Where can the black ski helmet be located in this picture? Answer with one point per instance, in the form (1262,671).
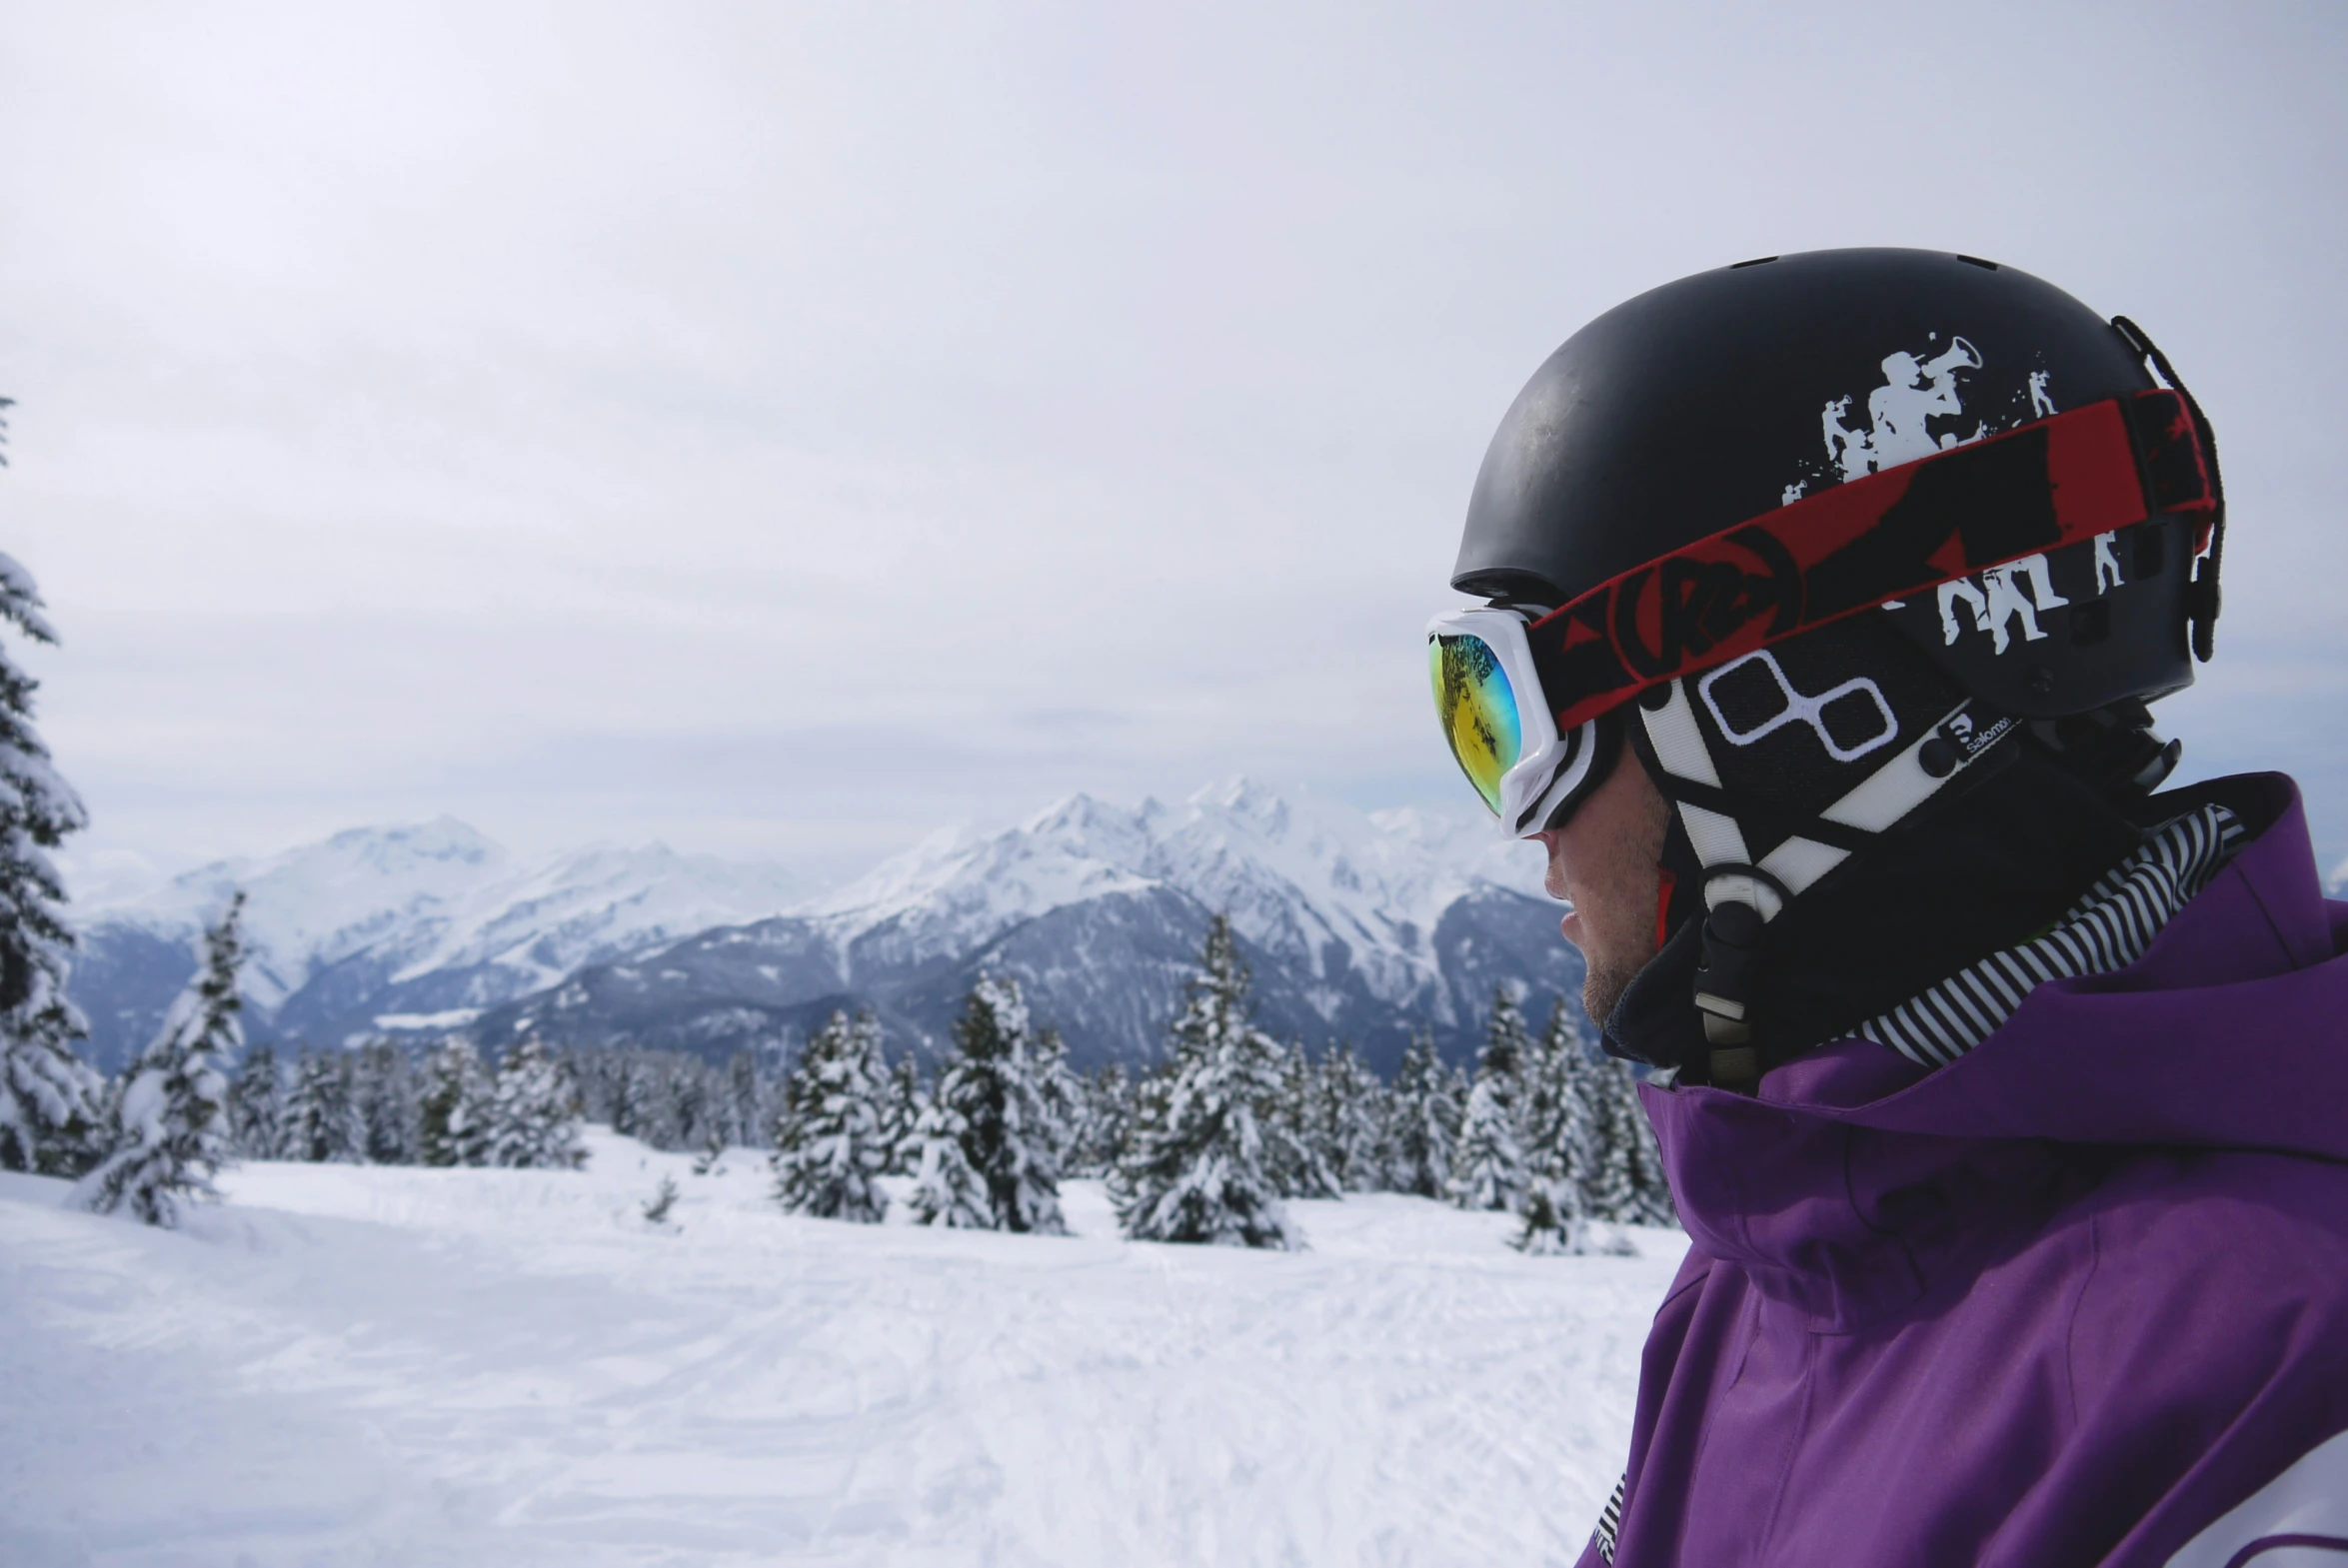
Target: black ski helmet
(1712,475)
(1703,403)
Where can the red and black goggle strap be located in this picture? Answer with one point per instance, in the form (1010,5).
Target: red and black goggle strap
(2055,482)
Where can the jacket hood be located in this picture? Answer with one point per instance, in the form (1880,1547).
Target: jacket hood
(1855,1174)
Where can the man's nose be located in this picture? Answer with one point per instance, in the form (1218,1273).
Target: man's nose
(1553,876)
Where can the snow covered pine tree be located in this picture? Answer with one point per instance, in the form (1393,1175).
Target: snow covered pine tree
(828,1155)
(171,1123)
(1194,1168)
(1010,1134)
(901,1116)
(383,1102)
(1423,1121)
(454,1118)
(631,1097)
(1064,1096)
(1487,1166)
(1349,1120)
(1299,1163)
(1559,1131)
(49,1108)
(1613,1192)
(1106,1101)
(256,1106)
(946,1191)
(745,1100)
(321,1122)
(1628,1185)
(534,1111)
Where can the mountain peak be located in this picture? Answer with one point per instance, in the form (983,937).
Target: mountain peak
(442,839)
(1354,918)
(1248,800)
(404,902)
(1075,811)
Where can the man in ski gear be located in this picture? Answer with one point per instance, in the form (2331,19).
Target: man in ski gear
(2000,1095)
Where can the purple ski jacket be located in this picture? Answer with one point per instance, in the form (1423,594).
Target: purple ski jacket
(2080,1297)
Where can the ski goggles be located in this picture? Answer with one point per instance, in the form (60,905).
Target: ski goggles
(1498,725)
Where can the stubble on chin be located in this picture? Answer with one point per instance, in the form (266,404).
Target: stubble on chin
(1614,849)
(1603,985)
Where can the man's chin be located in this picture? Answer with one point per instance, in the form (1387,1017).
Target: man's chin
(1602,987)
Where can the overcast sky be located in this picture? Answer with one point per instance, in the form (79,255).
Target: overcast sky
(780,429)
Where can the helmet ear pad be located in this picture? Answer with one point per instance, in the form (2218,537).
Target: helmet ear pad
(1796,726)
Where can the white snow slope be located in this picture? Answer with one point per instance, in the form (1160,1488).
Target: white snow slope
(389,1366)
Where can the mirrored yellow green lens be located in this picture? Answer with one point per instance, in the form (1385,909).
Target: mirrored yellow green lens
(1478,707)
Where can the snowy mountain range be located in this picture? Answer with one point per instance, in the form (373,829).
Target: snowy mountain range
(1357,925)
(391,930)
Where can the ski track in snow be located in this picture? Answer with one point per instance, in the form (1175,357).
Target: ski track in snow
(393,1367)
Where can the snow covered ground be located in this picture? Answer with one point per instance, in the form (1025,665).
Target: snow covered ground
(391,1366)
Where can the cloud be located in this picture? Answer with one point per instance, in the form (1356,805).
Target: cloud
(795,426)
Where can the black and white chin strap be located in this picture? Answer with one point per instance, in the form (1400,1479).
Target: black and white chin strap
(1742,896)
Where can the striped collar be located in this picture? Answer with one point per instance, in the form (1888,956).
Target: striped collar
(2108,929)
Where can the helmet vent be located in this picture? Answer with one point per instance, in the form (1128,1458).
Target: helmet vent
(1975,261)
(1759,260)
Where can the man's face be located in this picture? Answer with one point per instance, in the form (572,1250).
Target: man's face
(1607,860)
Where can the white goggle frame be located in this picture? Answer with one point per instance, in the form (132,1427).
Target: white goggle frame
(1550,766)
